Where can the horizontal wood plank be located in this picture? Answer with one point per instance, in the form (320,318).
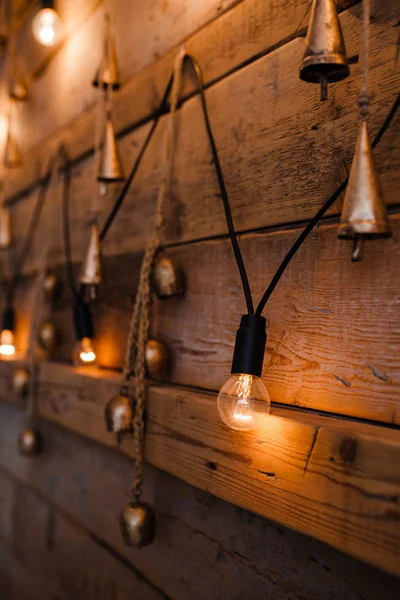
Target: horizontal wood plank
(249,556)
(296,466)
(333,335)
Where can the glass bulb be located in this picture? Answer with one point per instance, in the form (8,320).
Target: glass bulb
(84,353)
(243,401)
(47,27)
(7,343)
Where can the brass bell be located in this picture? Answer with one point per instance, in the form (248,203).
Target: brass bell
(18,88)
(91,272)
(30,442)
(325,59)
(107,75)
(20,381)
(167,278)
(5,227)
(119,414)
(50,285)
(138,525)
(157,359)
(364,213)
(47,336)
(12,155)
(110,166)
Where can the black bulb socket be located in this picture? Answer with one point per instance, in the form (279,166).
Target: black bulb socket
(83,321)
(251,338)
(47,4)
(8,318)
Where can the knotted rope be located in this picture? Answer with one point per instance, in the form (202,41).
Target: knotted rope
(133,379)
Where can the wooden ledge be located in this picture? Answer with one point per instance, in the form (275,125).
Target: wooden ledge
(333,479)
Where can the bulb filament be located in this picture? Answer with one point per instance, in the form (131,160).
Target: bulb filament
(7,343)
(243,389)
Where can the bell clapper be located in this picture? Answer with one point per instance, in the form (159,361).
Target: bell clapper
(358,248)
(324,88)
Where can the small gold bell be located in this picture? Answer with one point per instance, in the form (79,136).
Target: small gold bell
(167,278)
(119,414)
(20,381)
(47,337)
(325,59)
(12,155)
(110,166)
(5,227)
(157,359)
(50,285)
(138,525)
(91,272)
(364,213)
(18,89)
(108,72)
(30,442)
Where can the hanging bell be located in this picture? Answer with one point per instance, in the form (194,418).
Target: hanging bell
(50,285)
(30,442)
(18,88)
(119,415)
(107,76)
(110,166)
(364,213)
(20,381)
(138,525)
(5,227)
(12,155)
(91,272)
(325,59)
(167,278)
(47,337)
(157,359)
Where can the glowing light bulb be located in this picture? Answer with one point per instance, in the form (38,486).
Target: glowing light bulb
(7,343)
(47,27)
(243,402)
(84,353)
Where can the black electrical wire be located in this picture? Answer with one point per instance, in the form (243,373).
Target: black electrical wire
(310,226)
(224,194)
(66,231)
(127,184)
(30,235)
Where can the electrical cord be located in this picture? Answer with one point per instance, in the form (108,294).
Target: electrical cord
(310,226)
(224,194)
(127,184)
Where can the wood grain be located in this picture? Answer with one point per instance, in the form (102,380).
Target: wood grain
(205,548)
(333,335)
(281,160)
(296,466)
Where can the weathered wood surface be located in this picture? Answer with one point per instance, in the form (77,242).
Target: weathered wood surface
(63,559)
(298,465)
(276,172)
(219,551)
(333,335)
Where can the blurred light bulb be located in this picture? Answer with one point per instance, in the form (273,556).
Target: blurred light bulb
(243,401)
(85,354)
(7,343)
(47,27)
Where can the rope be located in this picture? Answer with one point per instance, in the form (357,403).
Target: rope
(135,367)
(363,99)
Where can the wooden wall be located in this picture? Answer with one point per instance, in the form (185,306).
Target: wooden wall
(326,462)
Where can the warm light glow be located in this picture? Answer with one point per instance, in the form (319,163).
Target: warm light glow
(242,401)
(86,353)
(47,27)
(7,343)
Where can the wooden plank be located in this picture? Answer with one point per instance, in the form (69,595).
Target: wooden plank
(64,560)
(219,551)
(333,334)
(296,466)
(276,172)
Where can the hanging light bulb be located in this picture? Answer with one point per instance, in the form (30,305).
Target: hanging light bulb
(7,348)
(84,353)
(47,26)
(244,401)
